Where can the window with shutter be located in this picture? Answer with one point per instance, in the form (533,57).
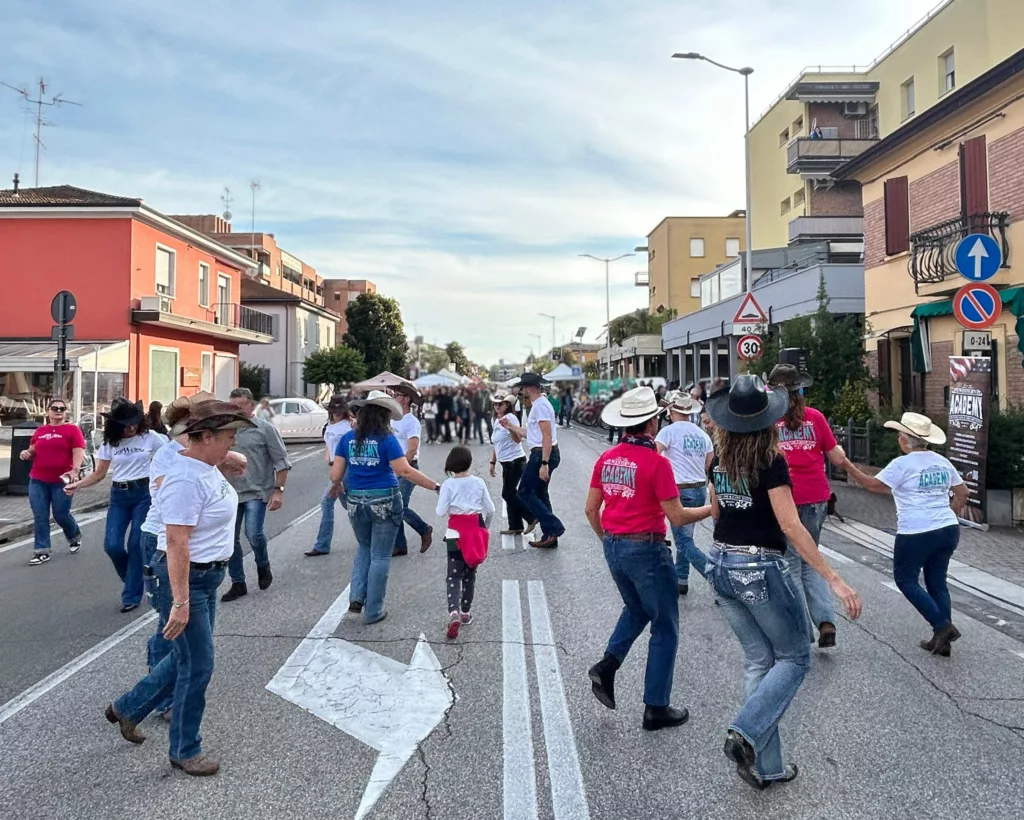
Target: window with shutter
(897,216)
(974,179)
(165,271)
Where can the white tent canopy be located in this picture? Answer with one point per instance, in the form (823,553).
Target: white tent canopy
(563,373)
(436,380)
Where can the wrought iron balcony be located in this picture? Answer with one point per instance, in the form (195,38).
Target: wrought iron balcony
(933,250)
(241,317)
(807,155)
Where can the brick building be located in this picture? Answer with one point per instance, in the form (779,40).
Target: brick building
(339,292)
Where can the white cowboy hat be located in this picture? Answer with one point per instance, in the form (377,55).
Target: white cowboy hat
(380,399)
(914,424)
(682,402)
(501,397)
(634,407)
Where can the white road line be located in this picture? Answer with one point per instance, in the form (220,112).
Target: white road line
(891,585)
(838,557)
(1018,653)
(568,796)
(33,693)
(520,784)
(54,531)
(304,456)
(302,518)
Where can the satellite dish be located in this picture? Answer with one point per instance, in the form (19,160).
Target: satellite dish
(227,215)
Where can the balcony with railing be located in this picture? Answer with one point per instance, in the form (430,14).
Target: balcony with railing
(932,263)
(814,228)
(642,279)
(224,320)
(809,155)
(240,317)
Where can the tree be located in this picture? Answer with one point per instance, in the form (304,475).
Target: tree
(592,369)
(375,329)
(457,356)
(568,357)
(335,366)
(637,322)
(835,354)
(434,359)
(255,377)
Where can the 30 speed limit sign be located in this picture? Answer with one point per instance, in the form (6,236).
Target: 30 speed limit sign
(749,347)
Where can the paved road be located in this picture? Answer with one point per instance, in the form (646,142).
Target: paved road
(880,729)
(51,614)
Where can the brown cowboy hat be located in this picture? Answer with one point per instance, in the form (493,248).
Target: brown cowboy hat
(216,415)
(787,376)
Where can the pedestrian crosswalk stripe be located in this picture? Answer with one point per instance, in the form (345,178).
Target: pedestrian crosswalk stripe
(520,783)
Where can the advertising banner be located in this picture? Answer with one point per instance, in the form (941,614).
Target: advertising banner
(970,392)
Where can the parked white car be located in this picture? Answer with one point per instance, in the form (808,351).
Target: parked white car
(298,419)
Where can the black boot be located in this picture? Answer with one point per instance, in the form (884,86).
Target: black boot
(943,638)
(739,750)
(264,576)
(664,717)
(602,676)
(236,591)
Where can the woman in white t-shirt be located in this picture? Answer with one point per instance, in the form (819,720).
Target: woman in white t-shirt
(197,509)
(339,422)
(928,529)
(509,452)
(128,447)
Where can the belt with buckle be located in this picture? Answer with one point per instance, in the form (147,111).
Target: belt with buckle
(693,485)
(207,565)
(126,485)
(653,537)
(751,550)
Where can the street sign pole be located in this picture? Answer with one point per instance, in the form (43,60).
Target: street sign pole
(63,309)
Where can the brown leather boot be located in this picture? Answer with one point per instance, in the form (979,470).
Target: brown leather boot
(129,731)
(198,766)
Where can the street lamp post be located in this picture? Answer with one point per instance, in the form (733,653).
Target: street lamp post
(607,302)
(537,337)
(552,318)
(744,72)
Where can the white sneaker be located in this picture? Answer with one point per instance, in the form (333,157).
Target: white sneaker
(38,558)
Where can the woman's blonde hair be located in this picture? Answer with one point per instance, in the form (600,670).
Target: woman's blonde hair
(744,455)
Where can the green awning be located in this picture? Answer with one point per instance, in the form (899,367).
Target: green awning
(1013,301)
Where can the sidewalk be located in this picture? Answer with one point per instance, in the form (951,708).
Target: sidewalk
(999,552)
(16,516)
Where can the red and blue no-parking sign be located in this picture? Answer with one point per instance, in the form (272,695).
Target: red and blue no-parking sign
(977,306)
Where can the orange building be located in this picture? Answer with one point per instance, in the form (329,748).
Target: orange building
(172,293)
(338,293)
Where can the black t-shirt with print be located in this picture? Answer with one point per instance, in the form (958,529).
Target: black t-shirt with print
(746,518)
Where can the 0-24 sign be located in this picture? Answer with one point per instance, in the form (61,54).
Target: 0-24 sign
(749,347)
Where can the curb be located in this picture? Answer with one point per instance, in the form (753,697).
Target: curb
(11,532)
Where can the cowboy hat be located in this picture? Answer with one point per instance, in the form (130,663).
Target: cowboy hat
(682,402)
(125,412)
(634,407)
(501,397)
(787,376)
(380,399)
(533,380)
(748,406)
(214,416)
(914,424)
(185,403)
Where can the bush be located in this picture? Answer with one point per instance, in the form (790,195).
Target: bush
(852,403)
(1005,467)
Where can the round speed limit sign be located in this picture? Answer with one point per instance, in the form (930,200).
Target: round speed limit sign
(749,347)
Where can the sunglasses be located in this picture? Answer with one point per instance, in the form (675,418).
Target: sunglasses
(58,409)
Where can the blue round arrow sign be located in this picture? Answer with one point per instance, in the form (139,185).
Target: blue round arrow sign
(978,257)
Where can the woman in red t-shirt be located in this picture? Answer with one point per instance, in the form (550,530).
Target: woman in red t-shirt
(806,440)
(56,452)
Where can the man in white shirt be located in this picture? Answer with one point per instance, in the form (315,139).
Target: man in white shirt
(541,436)
(408,432)
(690,451)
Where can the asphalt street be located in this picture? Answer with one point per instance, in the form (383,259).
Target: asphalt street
(879,729)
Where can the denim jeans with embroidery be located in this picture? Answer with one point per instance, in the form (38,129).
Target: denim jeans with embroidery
(375,516)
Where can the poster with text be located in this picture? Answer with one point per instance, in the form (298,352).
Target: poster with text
(970,391)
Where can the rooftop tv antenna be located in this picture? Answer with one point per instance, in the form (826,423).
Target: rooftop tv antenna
(255,186)
(55,101)
(227,199)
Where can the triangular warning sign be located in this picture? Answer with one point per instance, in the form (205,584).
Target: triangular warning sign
(750,311)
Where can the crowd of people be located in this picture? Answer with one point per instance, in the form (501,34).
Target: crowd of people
(750,456)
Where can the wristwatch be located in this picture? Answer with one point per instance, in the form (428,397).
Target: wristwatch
(544,464)
(279,489)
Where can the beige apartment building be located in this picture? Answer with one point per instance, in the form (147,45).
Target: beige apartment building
(794,196)
(679,250)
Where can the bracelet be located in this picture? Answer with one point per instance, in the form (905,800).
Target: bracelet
(176,605)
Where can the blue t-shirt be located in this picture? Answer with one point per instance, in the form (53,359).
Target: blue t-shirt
(369,466)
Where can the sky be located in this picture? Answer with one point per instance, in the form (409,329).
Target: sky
(459,154)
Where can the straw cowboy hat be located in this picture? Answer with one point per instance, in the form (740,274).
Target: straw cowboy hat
(748,406)
(634,407)
(186,402)
(914,424)
(380,399)
(679,401)
(216,415)
(501,397)
(787,376)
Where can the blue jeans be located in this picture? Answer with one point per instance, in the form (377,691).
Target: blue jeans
(813,589)
(376,516)
(325,534)
(759,598)
(409,516)
(158,647)
(42,496)
(931,552)
(686,547)
(643,572)
(533,493)
(125,516)
(251,514)
(186,671)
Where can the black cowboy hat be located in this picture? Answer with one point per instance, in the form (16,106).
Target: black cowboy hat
(787,376)
(125,412)
(532,380)
(748,406)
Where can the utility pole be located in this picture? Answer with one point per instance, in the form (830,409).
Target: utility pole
(56,101)
(255,186)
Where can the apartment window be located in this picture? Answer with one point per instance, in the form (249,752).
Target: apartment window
(784,137)
(732,248)
(909,102)
(204,286)
(785,206)
(798,198)
(695,288)
(337,296)
(224,307)
(798,125)
(947,72)
(206,362)
(897,216)
(696,247)
(650,254)
(164,271)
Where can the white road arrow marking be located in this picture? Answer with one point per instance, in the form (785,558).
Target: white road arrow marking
(384,703)
(978,254)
